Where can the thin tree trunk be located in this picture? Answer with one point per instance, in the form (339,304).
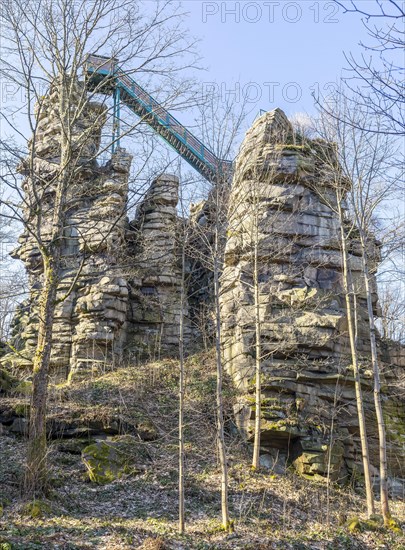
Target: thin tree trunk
(377,390)
(331,440)
(347,284)
(220,406)
(36,469)
(258,390)
(181,403)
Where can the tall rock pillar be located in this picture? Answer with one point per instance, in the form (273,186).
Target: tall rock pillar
(155,300)
(283,198)
(90,311)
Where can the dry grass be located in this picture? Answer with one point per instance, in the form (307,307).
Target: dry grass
(270,511)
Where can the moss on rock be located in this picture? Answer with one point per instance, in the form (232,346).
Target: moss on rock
(7,381)
(374,523)
(22,409)
(394,525)
(354,524)
(109,460)
(147,431)
(23,388)
(11,384)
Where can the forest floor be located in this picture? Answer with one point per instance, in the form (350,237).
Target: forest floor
(140,511)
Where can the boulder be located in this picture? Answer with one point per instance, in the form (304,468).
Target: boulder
(110,459)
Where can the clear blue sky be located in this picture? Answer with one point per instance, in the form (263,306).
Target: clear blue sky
(277,51)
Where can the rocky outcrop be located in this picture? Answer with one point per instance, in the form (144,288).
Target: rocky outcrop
(108,460)
(120,284)
(104,259)
(156,282)
(93,234)
(283,232)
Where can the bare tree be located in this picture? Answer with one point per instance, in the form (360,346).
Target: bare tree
(391,9)
(46,47)
(181,393)
(368,162)
(221,122)
(207,250)
(13,282)
(336,200)
(392,303)
(350,300)
(376,77)
(217,256)
(258,347)
(184,236)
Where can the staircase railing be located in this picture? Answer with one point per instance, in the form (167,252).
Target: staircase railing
(185,143)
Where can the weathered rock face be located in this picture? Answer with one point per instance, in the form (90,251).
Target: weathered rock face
(155,299)
(91,311)
(120,286)
(283,230)
(95,322)
(298,258)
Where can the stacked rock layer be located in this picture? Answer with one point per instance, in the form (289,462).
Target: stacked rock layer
(104,305)
(156,285)
(283,238)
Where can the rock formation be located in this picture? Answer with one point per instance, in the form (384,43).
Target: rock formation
(90,315)
(95,322)
(120,286)
(155,299)
(283,201)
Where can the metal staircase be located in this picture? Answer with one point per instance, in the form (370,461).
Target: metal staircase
(103,75)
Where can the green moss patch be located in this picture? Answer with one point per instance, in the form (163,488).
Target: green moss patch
(37,509)
(108,460)
(23,388)
(7,381)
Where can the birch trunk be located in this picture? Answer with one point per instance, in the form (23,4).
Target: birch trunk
(258,389)
(347,285)
(219,398)
(36,468)
(382,441)
(181,403)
